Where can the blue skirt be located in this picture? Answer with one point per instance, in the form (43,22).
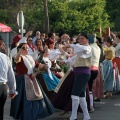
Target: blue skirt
(51,83)
(24,109)
(47,83)
(108,75)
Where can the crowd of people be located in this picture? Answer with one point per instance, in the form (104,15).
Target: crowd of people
(49,72)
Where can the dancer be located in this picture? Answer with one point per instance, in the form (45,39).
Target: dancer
(46,78)
(31,103)
(82,75)
(108,70)
(94,66)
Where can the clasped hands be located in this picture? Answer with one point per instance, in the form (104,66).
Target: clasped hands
(43,66)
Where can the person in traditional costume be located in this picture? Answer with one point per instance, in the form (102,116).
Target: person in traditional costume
(116,61)
(64,39)
(16,39)
(64,88)
(97,88)
(46,78)
(117,53)
(31,103)
(108,71)
(53,55)
(94,66)
(32,48)
(82,75)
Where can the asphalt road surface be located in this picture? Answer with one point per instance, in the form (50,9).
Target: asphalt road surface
(106,109)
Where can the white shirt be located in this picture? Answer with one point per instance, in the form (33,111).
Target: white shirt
(95,54)
(6,73)
(82,50)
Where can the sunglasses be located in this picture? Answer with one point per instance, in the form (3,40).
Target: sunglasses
(24,48)
(29,40)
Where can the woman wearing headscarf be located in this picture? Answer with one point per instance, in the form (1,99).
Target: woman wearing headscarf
(46,78)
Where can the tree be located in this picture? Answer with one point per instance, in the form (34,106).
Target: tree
(32,9)
(64,15)
(113,8)
(77,15)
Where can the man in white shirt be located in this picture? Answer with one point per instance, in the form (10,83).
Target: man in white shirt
(82,75)
(6,78)
(38,34)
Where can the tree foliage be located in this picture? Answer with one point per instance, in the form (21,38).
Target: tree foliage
(113,9)
(75,16)
(70,16)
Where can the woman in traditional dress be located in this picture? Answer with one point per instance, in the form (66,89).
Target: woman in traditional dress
(108,71)
(53,55)
(116,62)
(117,52)
(32,48)
(46,78)
(31,103)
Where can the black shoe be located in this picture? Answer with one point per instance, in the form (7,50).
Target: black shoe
(118,92)
(63,113)
(69,119)
(97,100)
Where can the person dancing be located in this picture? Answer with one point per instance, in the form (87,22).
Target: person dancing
(82,75)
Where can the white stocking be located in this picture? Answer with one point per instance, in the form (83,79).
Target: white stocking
(83,105)
(75,104)
(91,99)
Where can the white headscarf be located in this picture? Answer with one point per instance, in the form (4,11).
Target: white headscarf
(29,63)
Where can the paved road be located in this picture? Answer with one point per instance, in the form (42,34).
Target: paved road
(106,109)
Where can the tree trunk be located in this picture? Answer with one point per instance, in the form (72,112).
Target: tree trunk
(46,17)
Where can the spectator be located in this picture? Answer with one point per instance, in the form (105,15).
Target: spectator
(36,37)
(6,77)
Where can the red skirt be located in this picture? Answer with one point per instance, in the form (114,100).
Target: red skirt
(117,61)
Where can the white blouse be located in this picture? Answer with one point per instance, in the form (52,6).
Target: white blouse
(54,54)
